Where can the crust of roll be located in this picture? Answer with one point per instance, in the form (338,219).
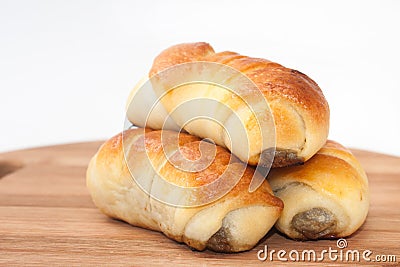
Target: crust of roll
(232,223)
(298,106)
(327,197)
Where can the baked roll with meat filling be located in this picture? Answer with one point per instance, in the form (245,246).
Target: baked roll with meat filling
(233,221)
(298,107)
(327,197)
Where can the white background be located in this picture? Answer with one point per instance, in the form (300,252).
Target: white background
(66,67)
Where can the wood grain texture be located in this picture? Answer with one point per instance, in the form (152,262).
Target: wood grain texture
(47,218)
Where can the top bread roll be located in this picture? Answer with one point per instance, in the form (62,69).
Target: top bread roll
(290,100)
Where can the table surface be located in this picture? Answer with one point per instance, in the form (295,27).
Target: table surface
(48,218)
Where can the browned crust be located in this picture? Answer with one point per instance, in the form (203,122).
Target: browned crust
(271,78)
(189,144)
(179,54)
(310,173)
(113,148)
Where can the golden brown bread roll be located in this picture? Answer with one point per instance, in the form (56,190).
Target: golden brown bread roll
(299,109)
(229,222)
(327,197)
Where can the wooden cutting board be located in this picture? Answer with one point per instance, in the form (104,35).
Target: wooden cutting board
(48,218)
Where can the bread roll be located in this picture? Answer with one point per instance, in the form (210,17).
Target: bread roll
(224,221)
(274,95)
(327,197)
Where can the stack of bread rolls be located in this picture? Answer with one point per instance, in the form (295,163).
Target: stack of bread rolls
(193,179)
